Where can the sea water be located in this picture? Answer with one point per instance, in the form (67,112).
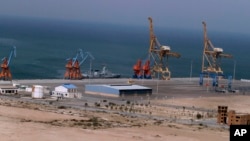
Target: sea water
(42,47)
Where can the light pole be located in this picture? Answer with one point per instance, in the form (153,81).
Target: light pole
(157,83)
(90,70)
(234,70)
(191,69)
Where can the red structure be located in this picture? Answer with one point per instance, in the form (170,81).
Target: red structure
(146,70)
(142,71)
(76,72)
(5,73)
(73,70)
(137,69)
(68,74)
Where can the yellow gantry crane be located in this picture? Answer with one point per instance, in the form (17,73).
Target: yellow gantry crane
(159,54)
(211,60)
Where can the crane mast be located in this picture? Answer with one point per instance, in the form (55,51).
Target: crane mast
(159,55)
(5,73)
(211,58)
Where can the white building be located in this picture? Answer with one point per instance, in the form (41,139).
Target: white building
(8,89)
(66,90)
(37,91)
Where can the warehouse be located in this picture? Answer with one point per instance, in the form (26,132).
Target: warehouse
(117,90)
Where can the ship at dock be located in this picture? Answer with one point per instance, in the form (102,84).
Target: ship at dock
(104,73)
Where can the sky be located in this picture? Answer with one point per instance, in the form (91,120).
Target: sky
(220,15)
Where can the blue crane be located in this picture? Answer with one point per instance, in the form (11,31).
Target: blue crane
(83,55)
(12,52)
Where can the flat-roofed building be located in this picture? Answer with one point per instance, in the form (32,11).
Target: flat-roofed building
(8,89)
(238,118)
(231,117)
(117,90)
(222,114)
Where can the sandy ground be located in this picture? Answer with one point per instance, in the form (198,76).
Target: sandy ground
(19,123)
(12,128)
(24,120)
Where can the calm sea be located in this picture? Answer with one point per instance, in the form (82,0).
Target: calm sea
(42,47)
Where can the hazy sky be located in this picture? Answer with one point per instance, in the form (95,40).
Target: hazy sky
(222,15)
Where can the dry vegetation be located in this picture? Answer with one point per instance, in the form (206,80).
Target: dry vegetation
(176,120)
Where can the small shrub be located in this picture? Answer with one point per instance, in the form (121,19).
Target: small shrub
(111,104)
(97,104)
(126,109)
(94,121)
(128,102)
(198,116)
(86,104)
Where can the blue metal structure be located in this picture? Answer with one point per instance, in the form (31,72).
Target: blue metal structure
(83,55)
(12,52)
(214,76)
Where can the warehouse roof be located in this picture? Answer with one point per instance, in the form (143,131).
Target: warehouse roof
(126,87)
(69,86)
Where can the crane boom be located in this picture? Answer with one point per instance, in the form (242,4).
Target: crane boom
(13,52)
(75,58)
(153,40)
(85,56)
